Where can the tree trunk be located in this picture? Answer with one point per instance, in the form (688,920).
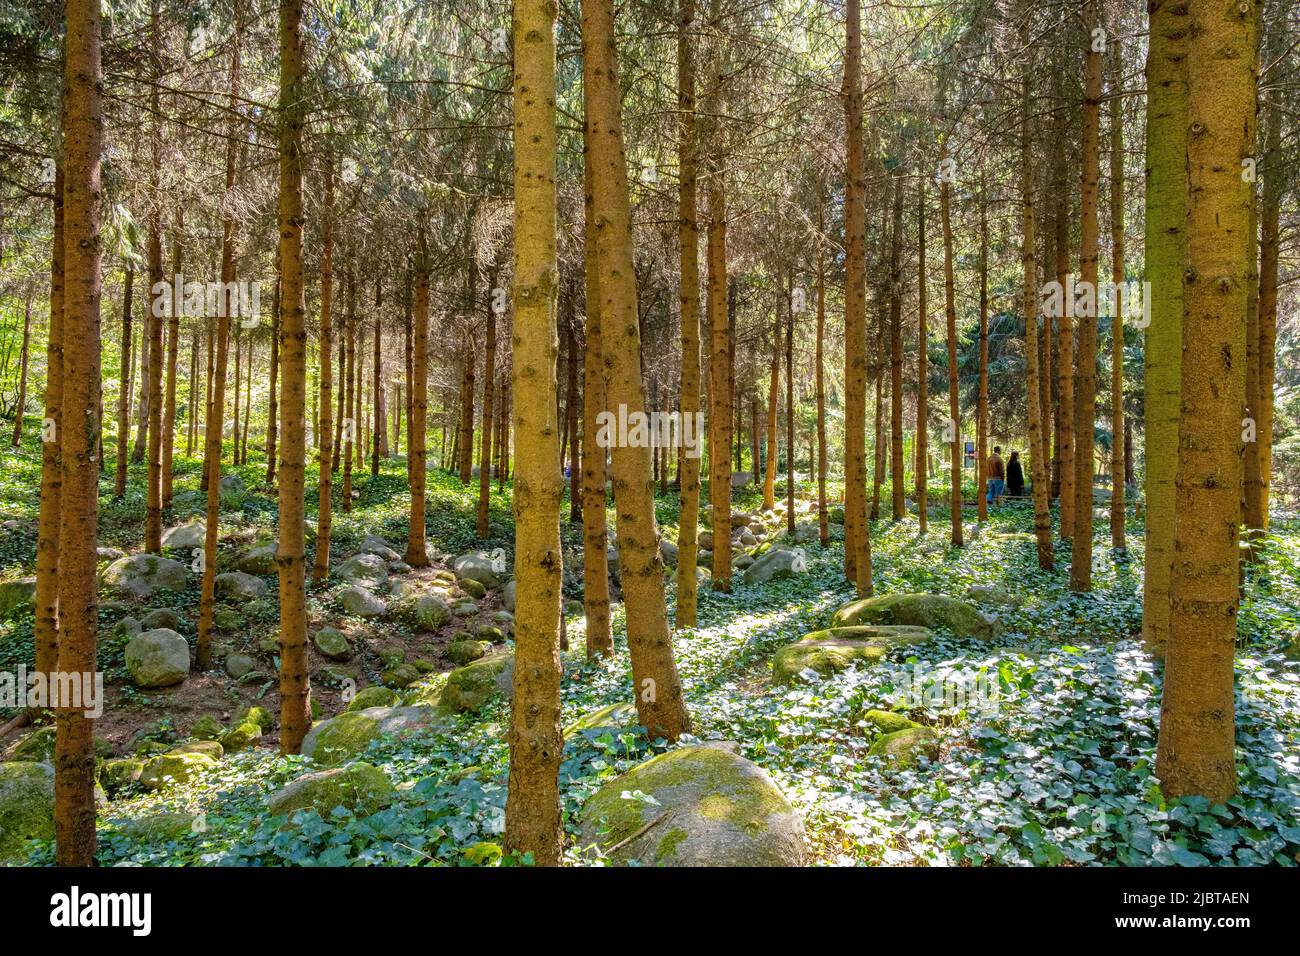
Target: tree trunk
(954,411)
(272,406)
(720,367)
(124,395)
(173,354)
(325,430)
(533,824)
(1195,755)
(416,453)
(1117,318)
(570,416)
(295,685)
(1085,399)
(982,402)
(898,509)
(688,242)
(217,405)
(21,409)
(922,370)
(74,754)
(1274,172)
(350,416)
(660,705)
(485,455)
(773,391)
(857,540)
(157,289)
(823,514)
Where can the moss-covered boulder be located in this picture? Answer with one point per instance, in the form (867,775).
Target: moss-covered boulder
(904,747)
(887,721)
(258,559)
(373,696)
(159,827)
(424,609)
(471,688)
(339,739)
(157,658)
(618,718)
(477,566)
(26,806)
(474,589)
(998,597)
(835,649)
(359,787)
(166,617)
(210,748)
(710,808)
(17,595)
(402,675)
(257,714)
(173,768)
(466,652)
(116,775)
(923,610)
(332,643)
(241,736)
(141,576)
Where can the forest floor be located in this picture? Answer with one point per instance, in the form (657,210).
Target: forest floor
(1054,767)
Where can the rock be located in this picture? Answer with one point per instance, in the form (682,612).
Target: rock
(705,540)
(831,651)
(259,559)
(256,714)
(238,586)
(477,566)
(888,722)
(373,544)
(403,675)
(473,588)
(117,775)
(668,551)
(26,806)
(489,632)
(127,627)
(571,609)
(237,665)
(172,768)
(18,595)
(741,561)
(836,515)
(805,532)
(746,539)
(740,519)
(207,727)
(465,608)
(373,696)
(465,652)
(163,617)
(774,565)
(232,491)
(924,610)
(109,554)
(471,688)
(359,602)
(158,658)
(332,643)
(367,570)
(905,746)
(185,537)
(359,787)
(424,610)
(227,619)
(38,746)
(1292,649)
(618,718)
(160,827)
(508,596)
(141,576)
(210,748)
(716,808)
(739,479)
(241,737)
(984,594)
(333,741)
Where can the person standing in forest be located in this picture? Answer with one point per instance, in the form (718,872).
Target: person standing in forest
(1015,476)
(997,473)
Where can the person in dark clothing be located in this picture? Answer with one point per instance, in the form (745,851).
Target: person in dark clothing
(1015,476)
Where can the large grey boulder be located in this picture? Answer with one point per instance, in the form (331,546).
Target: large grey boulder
(157,658)
(373,544)
(26,806)
(708,807)
(508,596)
(360,602)
(185,537)
(238,586)
(17,595)
(141,576)
(774,565)
(339,739)
(258,559)
(922,610)
(368,570)
(477,566)
(359,787)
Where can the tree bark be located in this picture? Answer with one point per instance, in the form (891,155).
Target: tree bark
(325,430)
(1117,318)
(1195,754)
(533,824)
(416,553)
(954,411)
(922,371)
(124,393)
